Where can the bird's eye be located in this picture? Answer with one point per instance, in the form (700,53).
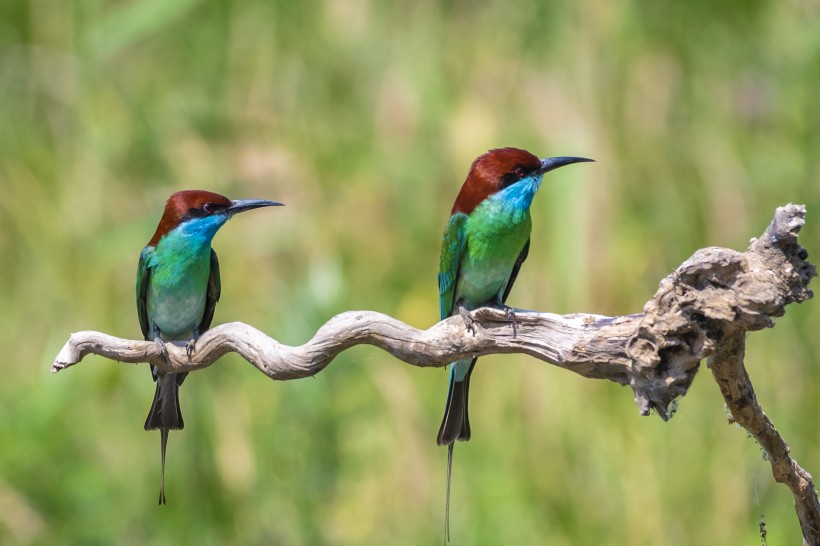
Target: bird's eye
(519,172)
(208,207)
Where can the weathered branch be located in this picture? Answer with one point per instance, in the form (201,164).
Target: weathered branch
(702,310)
(736,387)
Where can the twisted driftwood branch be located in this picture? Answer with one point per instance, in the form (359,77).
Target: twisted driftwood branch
(702,310)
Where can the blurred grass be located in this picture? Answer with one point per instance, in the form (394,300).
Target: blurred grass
(364,117)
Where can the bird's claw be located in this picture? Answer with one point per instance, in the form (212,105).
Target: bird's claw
(190,347)
(469,322)
(162,349)
(509,312)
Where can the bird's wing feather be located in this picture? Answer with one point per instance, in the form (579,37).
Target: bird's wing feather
(214,291)
(143,280)
(452,250)
(521,257)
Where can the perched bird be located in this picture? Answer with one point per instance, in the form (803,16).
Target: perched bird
(177,290)
(485,242)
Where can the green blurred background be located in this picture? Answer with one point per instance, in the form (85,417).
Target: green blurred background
(363,116)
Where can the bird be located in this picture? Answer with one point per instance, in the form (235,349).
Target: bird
(178,286)
(485,241)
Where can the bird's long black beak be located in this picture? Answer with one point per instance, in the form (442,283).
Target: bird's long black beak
(241,205)
(552,163)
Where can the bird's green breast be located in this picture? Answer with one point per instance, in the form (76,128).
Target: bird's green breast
(496,233)
(178,286)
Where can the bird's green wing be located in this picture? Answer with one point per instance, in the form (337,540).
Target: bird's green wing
(452,249)
(214,291)
(516,268)
(143,280)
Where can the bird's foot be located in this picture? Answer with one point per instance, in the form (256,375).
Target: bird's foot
(190,347)
(469,322)
(163,349)
(509,312)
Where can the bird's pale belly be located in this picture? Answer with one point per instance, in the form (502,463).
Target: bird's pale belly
(177,314)
(487,266)
(480,283)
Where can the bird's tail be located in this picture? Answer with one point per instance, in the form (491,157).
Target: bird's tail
(447,501)
(165,412)
(456,422)
(163,443)
(165,415)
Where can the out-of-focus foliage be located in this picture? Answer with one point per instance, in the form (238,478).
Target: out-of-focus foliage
(363,116)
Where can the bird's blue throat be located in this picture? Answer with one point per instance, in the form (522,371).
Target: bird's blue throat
(519,195)
(190,240)
(202,230)
(181,267)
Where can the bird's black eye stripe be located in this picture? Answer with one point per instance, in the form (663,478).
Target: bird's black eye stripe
(513,176)
(508,180)
(194,213)
(212,208)
(204,210)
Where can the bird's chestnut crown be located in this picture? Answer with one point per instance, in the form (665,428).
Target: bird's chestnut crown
(491,173)
(185,205)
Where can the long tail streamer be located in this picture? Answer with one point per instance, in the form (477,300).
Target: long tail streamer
(447,502)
